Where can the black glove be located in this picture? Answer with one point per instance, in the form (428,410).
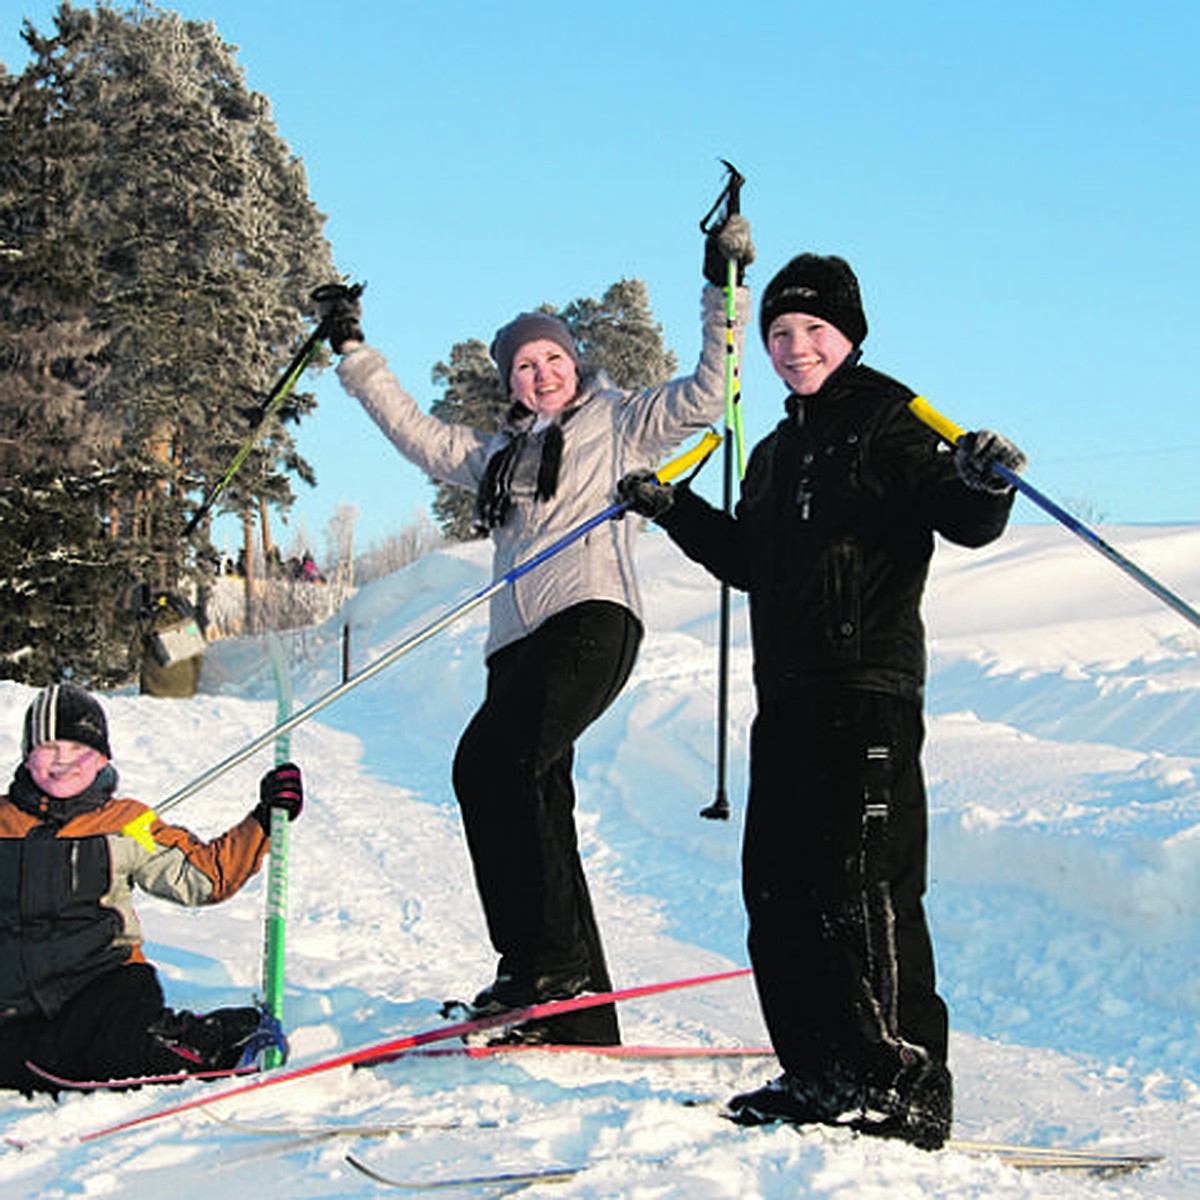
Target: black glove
(281,787)
(645,494)
(975,454)
(728,243)
(339,311)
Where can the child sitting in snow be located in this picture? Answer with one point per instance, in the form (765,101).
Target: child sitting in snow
(77,997)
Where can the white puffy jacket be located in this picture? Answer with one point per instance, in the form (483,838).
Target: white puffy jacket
(608,433)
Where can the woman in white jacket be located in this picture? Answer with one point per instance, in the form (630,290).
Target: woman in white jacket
(563,637)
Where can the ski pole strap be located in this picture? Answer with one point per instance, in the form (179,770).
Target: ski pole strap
(951,432)
(728,202)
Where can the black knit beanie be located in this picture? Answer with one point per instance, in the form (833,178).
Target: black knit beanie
(818,284)
(528,327)
(65,713)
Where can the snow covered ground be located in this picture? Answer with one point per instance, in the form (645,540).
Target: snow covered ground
(1062,761)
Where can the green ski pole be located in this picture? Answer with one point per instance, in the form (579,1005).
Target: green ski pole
(277,864)
(274,402)
(728,203)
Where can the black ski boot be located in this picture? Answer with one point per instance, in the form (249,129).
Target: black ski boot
(220,1040)
(794,1100)
(519,990)
(913,1102)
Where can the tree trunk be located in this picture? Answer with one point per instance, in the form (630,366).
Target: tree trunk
(248,577)
(268,544)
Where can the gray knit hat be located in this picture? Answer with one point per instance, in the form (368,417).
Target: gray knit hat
(528,327)
(66,713)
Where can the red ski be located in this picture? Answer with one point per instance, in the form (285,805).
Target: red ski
(381,1051)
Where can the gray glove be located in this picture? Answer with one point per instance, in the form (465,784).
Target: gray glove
(645,494)
(977,452)
(339,310)
(730,243)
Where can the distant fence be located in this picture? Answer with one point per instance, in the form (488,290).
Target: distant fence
(275,604)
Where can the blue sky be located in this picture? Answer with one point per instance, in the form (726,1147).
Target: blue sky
(1016,185)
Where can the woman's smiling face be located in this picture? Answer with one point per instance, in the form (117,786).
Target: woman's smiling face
(543,377)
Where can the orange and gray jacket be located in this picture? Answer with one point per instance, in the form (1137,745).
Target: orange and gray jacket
(66,912)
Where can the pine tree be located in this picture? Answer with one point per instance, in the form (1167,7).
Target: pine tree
(157,249)
(57,609)
(211,247)
(472,396)
(616,334)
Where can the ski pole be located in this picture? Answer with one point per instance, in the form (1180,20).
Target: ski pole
(273,404)
(726,205)
(952,432)
(730,202)
(273,971)
(665,473)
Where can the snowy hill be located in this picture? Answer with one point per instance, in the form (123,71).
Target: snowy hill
(1064,746)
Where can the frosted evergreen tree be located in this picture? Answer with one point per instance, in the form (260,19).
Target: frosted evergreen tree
(151,214)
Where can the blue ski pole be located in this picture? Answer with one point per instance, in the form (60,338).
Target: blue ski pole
(952,432)
(671,470)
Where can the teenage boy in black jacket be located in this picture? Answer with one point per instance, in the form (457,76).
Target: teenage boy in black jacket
(831,540)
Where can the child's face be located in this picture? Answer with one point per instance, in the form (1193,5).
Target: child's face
(805,350)
(63,769)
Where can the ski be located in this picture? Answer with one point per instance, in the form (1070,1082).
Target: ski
(630,1052)
(1056,1158)
(1100,1163)
(135,1081)
(382,1051)
(330,1130)
(515,1180)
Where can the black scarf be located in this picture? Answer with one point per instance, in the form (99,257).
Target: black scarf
(494,499)
(28,797)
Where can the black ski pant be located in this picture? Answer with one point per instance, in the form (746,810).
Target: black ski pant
(99,1034)
(834,870)
(512,777)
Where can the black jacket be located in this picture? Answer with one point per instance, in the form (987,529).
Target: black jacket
(833,534)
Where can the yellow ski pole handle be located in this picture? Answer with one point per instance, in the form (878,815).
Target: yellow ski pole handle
(689,458)
(940,424)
